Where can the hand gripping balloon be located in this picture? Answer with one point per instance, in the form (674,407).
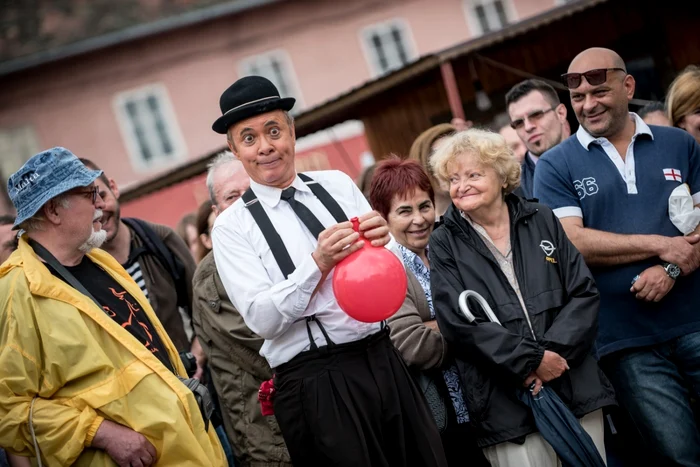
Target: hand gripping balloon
(370,284)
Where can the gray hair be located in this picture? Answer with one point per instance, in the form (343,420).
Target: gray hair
(36,222)
(221,159)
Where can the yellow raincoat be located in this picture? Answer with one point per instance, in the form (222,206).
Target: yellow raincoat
(57,346)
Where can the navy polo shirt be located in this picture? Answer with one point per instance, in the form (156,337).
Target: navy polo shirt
(578,178)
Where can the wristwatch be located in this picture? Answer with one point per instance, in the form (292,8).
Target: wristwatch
(672,270)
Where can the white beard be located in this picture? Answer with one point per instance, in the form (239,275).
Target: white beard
(95,240)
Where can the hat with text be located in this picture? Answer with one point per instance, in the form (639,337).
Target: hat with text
(45,176)
(247,97)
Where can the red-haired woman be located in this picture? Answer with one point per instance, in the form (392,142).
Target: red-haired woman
(402,193)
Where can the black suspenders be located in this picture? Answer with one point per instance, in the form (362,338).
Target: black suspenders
(273,239)
(279,251)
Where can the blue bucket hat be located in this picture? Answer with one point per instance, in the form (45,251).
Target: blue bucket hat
(45,176)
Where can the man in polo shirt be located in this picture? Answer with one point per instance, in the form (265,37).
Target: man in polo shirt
(609,185)
(343,396)
(539,119)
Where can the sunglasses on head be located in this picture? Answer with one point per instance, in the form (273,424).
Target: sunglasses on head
(594,77)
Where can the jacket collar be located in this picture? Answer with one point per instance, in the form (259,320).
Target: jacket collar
(518,208)
(528,162)
(42,283)
(586,139)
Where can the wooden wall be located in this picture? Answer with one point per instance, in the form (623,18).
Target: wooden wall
(666,31)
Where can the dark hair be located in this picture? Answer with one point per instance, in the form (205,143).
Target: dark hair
(395,176)
(524,88)
(202,221)
(652,107)
(7,219)
(91,165)
(365,180)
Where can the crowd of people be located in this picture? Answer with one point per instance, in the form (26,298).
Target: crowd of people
(222,343)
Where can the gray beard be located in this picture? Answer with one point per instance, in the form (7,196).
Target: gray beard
(95,240)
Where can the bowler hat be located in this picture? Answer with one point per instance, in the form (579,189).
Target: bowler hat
(247,97)
(45,176)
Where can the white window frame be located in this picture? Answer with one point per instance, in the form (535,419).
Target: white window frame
(126,126)
(475,26)
(383,29)
(17,144)
(291,83)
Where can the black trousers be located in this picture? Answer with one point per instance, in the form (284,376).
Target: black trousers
(352,405)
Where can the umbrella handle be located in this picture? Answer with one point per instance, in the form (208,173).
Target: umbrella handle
(481,300)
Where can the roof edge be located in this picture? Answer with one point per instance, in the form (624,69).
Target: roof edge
(132,33)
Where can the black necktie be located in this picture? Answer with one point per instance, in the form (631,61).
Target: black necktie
(302,212)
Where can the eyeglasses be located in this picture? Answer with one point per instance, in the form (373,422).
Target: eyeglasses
(91,191)
(594,77)
(532,117)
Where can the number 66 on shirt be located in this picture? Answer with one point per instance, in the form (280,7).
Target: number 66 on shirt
(586,187)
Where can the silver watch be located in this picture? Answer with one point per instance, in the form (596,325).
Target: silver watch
(672,270)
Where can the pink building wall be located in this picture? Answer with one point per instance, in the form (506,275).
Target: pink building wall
(71,103)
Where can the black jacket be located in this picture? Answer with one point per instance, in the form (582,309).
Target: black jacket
(562,302)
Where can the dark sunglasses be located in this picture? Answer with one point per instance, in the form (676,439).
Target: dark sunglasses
(594,77)
(92,192)
(532,117)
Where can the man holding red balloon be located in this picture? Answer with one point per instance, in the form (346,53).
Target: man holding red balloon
(342,395)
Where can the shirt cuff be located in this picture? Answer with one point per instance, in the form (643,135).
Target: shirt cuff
(568,211)
(92,430)
(696,198)
(307,277)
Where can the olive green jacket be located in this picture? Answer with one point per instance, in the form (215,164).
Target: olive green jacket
(237,371)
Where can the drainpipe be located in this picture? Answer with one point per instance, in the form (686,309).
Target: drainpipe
(450,83)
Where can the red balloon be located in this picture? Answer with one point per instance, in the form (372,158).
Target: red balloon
(370,284)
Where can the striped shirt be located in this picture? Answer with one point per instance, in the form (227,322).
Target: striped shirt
(135,272)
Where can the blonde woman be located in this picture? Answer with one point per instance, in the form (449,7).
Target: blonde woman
(683,101)
(516,255)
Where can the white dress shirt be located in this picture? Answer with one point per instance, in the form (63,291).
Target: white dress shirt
(274,307)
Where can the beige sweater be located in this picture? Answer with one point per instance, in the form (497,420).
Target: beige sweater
(421,347)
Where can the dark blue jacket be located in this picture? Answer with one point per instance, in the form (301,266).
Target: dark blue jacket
(527,177)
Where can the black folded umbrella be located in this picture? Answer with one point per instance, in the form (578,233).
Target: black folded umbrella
(555,422)
(561,429)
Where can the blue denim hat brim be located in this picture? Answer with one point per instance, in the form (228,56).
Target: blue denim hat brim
(45,176)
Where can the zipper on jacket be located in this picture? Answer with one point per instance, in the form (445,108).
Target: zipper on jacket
(493,261)
(521,301)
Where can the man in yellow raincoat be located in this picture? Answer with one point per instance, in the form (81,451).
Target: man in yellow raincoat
(81,384)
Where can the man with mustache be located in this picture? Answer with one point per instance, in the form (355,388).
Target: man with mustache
(89,375)
(539,119)
(609,184)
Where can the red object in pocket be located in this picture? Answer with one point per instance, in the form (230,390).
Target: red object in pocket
(265,395)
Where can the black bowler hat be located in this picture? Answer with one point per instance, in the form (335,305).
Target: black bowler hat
(247,97)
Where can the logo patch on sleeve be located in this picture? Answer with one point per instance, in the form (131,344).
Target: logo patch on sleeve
(673,175)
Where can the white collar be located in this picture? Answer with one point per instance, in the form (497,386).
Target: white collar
(585,138)
(271,195)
